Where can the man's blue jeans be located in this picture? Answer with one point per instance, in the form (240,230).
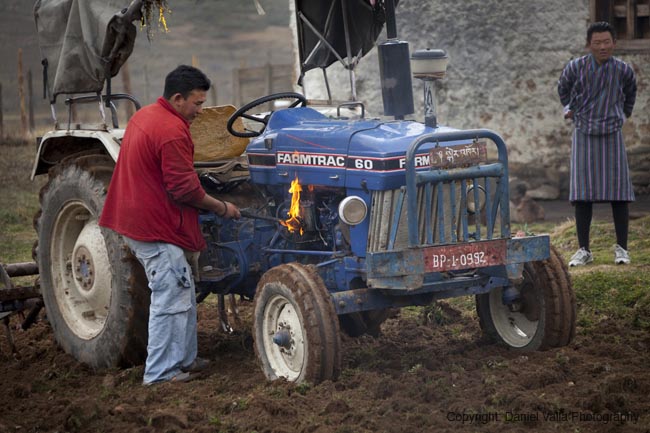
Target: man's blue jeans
(172,314)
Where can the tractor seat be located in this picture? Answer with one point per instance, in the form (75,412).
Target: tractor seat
(222,177)
(218,155)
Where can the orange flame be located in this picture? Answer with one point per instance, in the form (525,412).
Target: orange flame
(293,222)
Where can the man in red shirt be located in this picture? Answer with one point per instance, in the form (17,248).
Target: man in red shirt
(153,202)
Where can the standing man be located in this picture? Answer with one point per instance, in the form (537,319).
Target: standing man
(598,93)
(153,202)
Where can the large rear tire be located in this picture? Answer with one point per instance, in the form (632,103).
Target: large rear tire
(295,326)
(95,292)
(545,316)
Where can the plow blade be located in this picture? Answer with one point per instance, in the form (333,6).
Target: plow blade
(19,298)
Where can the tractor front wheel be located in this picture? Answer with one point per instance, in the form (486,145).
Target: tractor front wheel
(545,314)
(295,328)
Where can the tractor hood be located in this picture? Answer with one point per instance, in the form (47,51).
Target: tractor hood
(368,154)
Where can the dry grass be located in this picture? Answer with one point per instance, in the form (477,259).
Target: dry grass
(18,201)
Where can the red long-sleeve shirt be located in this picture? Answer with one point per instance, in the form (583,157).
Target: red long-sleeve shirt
(154,183)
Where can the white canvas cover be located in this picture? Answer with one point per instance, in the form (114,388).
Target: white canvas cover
(83,42)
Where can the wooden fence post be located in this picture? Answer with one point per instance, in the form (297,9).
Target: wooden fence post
(268,84)
(30,99)
(236,90)
(213,92)
(21,95)
(2,126)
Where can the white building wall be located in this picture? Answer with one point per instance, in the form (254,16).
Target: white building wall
(505,59)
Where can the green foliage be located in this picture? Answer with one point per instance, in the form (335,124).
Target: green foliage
(613,293)
(603,289)
(302,388)
(434,313)
(240,404)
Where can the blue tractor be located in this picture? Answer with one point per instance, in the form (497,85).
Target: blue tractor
(345,219)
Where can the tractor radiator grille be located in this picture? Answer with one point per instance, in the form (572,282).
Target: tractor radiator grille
(443,215)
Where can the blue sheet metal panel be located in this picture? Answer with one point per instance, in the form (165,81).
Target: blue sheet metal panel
(396,218)
(494,169)
(351,301)
(303,142)
(464,215)
(342,273)
(377,156)
(488,208)
(359,233)
(311,157)
(477,214)
(452,205)
(406,269)
(529,249)
(395,269)
(395,263)
(360,154)
(291,117)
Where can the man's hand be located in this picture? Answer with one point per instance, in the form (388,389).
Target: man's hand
(220,207)
(568,114)
(232,211)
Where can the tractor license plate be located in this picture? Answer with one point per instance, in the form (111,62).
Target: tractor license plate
(465,256)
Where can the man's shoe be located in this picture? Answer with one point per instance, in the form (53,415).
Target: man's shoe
(184,376)
(181,377)
(198,365)
(581,258)
(621,256)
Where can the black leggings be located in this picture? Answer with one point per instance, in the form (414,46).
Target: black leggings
(584,211)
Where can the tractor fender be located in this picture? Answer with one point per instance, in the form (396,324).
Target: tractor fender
(57,145)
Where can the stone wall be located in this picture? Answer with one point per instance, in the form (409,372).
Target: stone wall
(505,59)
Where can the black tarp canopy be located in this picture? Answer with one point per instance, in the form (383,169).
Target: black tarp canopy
(338,30)
(322,23)
(83,43)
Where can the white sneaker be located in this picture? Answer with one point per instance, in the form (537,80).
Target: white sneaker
(621,256)
(581,258)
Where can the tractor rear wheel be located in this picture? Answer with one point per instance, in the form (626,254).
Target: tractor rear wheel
(95,292)
(295,327)
(545,315)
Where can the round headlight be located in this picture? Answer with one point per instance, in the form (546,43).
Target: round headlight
(352,210)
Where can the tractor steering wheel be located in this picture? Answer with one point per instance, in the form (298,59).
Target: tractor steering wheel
(242,112)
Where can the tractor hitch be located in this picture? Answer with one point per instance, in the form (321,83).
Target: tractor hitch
(17,299)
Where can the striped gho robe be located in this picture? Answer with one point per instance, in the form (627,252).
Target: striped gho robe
(601,97)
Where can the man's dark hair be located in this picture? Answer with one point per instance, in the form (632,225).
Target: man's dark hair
(183,80)
(600,27)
